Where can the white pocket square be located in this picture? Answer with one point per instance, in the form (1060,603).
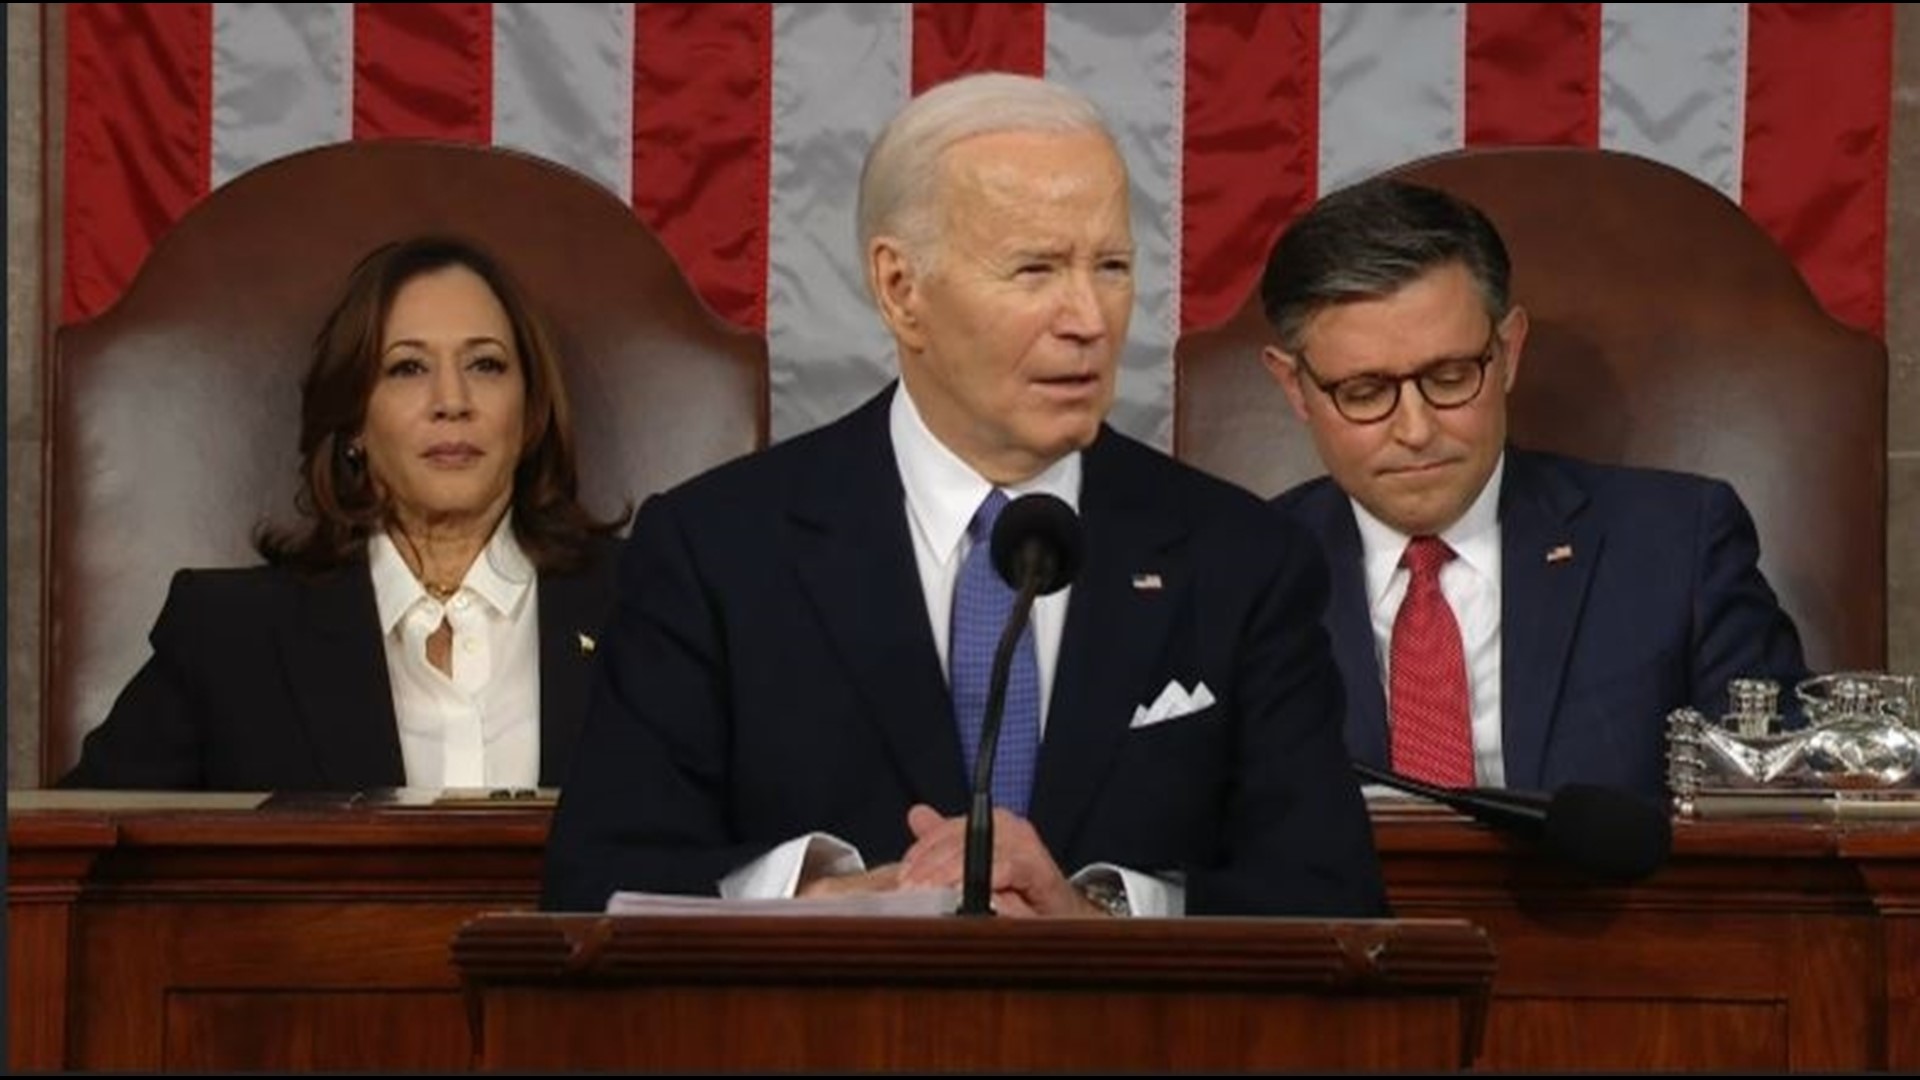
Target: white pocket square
(1173,703)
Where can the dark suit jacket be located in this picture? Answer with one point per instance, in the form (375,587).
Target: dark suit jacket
(265,680)
(1659,605)
(770,672)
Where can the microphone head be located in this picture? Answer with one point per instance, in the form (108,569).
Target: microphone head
(1038,538)
(1607,832)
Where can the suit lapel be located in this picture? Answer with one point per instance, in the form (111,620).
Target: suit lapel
(338,671)
(572,611)
(1547,555)
(1113,628)
(1350,627)
(854,556)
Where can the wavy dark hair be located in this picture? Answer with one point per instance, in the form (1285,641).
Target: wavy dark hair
(341,505)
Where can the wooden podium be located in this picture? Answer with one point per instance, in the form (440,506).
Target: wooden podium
(776,994)
(211,938)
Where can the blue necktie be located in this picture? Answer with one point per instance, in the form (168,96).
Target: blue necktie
(981,604)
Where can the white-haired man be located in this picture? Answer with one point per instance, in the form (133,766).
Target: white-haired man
(790,696)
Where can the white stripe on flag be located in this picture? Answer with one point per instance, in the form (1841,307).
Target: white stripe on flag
(839,72)
(280,82)
(1130,59)
(1392,86)
(563,86)
(1673,86)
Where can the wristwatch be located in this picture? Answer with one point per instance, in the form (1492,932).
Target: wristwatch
(1108,895)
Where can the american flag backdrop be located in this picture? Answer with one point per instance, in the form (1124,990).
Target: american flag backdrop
(736,130)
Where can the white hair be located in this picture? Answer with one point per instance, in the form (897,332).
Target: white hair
(898,183)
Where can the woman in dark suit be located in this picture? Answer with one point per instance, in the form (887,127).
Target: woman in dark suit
(431,621)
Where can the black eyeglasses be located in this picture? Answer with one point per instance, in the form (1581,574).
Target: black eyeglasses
(1370,397)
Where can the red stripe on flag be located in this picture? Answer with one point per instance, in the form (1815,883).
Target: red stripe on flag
(950,40)
(139,100)
(1819,96)
(1251,161)
(702,131)
(1533,74)
(423,71)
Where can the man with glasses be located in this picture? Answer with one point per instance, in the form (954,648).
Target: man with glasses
(1502,617)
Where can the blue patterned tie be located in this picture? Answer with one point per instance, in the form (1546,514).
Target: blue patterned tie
(981,603)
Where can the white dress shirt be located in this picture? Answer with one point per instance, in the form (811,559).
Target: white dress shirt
(1471,584)
(479,726)
(943,492)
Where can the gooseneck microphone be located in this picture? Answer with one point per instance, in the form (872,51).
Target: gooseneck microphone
(1036,548)
(1606,832)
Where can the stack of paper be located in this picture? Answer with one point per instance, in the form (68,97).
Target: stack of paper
(907,902)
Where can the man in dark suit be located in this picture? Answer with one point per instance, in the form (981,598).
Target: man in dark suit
(1577,603)
(775,714)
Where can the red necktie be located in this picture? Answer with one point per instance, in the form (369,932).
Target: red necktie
(1432,726)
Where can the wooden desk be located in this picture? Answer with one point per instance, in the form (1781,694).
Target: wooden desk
(1761,946)
(782,994)
(308,939)
(219,941)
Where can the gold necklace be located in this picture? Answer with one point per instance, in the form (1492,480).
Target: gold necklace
(438,591)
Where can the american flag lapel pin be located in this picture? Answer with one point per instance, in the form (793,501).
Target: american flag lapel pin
(1559,553)
(1147,583)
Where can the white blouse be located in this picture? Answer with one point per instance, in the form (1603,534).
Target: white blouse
(480,726)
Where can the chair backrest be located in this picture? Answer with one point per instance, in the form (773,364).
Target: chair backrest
(1667,330)
(174,415)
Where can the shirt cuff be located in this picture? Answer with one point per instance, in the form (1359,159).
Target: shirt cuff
(777,874)
(1147,896)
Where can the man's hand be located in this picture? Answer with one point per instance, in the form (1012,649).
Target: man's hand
(1025,879)
(879,879)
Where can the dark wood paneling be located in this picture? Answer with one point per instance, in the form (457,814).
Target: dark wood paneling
(296,1031)
(974,995)
(37,959)
(112,915)
(1749,920)
(731,1029)
(262,940)
(1526,1034)
(136,959)
(46,864)
(1888,861)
